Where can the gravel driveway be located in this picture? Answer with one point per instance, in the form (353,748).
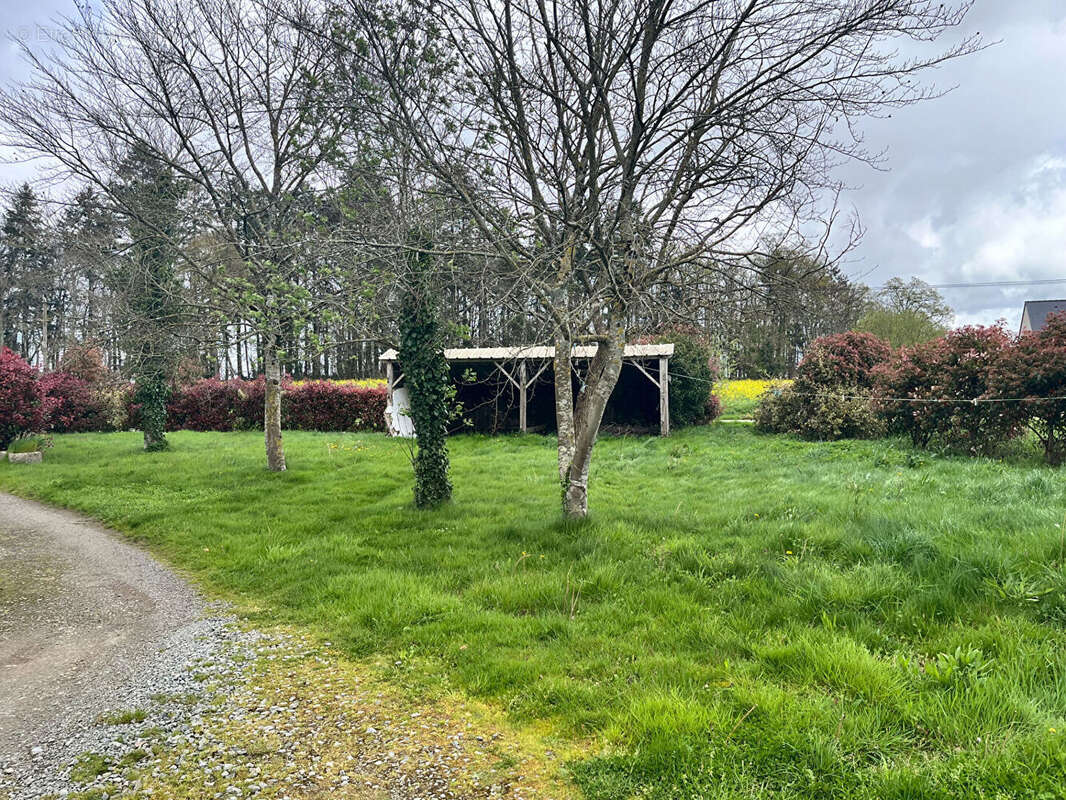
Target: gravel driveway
(117,680)
(89,626)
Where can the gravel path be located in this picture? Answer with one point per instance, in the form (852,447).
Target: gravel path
(117,680)
(90,626)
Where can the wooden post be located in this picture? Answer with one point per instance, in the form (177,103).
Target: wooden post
(388,380)
(664,396)
(522,386)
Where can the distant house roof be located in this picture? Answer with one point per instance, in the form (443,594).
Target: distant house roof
(1035,313)
(539,352)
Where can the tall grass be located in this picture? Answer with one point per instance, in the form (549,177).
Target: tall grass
(743,616)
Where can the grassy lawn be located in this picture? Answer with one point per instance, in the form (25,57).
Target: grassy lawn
(744,616)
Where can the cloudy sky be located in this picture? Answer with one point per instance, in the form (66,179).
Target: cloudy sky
(974,186)
(975,190)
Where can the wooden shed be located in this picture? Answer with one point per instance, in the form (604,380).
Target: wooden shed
(522,369)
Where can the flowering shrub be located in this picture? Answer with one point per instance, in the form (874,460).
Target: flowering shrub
(842,359)
(831,397)
(1034,368)
(115,404)
(953,371)
(211,404)
(71,404)
(21,402)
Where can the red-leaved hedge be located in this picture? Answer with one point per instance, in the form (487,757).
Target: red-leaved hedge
(72,404)
(842,360)
(927,391)
(830,398)
(328,406)
(1029,379)
(21,403)
(67,403)
(216,405)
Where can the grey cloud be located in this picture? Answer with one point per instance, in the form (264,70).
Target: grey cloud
(976,187)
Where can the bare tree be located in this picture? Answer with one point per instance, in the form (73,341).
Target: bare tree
(602,146)
(224,94)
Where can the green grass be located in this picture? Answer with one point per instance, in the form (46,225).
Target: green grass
(124,717)
(743,616)
(88,767)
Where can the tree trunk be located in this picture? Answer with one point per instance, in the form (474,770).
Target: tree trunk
(152,393)
(564,404)
(428,376)
(240,364)
(44,337)
(154,440)
(580,425)
(272,406)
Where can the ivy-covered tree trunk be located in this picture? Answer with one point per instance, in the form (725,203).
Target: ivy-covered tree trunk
(150,200)
(152,394)
(428,380)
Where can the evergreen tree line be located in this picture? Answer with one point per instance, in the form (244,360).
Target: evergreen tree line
(66,267)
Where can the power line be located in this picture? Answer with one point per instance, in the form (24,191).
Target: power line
(844,396)
(991,284)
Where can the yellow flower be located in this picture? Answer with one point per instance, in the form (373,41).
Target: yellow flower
(745,389)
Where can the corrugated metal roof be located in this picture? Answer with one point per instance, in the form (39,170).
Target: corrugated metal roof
(538,352)
(1037,312)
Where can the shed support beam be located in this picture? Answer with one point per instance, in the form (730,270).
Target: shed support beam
(664,396)
(540,372)
(523,384)
(647,374)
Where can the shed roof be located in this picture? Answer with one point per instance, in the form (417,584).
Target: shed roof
(538,352)
(1037,312)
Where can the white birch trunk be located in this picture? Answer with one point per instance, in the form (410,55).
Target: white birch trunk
(275,451)
(564,405)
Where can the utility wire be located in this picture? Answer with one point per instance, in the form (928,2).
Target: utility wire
(990,284)
(844,396)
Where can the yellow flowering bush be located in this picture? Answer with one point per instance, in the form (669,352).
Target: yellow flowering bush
(731,391)
(740,397)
